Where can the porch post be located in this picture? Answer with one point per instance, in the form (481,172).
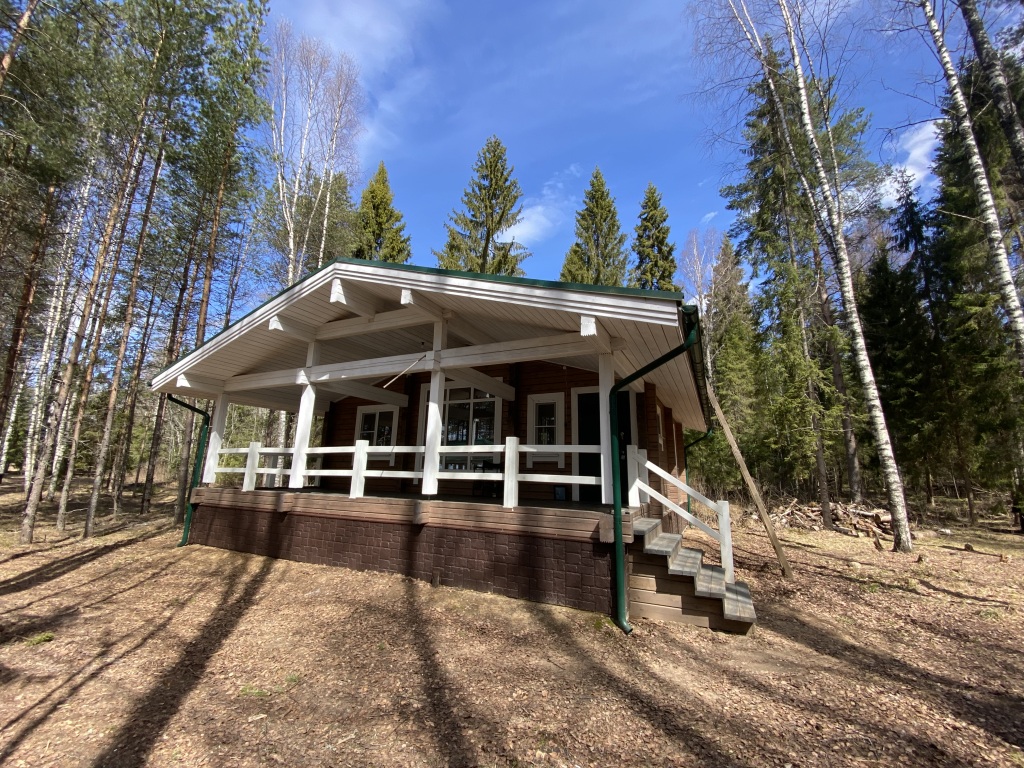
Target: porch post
(432,443)
(217,425)
(605,380)
(304,423)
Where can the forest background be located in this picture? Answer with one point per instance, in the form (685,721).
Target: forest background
(166,165)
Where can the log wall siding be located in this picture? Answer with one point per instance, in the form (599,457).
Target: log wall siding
(560,571)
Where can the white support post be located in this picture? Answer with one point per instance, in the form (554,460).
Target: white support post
(355,490)
(725,540)
(252,463)
(632,469)
(605,381)
(303,427)
(511,472)
(217,426)
(432,449)
(642,473)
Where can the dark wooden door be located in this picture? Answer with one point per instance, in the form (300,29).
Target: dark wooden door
(588,419)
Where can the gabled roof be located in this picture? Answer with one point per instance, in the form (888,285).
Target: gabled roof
(369,310)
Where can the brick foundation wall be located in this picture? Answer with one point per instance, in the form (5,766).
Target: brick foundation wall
(560,572)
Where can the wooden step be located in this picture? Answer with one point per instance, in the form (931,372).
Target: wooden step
(738,605)
(666,544)
(648,527)
(710,582)
(687,562)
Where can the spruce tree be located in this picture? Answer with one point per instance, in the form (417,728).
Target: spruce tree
(381,231)
(655,260)
(492,207)
(598,257)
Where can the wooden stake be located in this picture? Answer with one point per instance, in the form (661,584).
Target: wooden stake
(787,570)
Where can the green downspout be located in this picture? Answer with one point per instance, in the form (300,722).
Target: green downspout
(197,467)
(621,617)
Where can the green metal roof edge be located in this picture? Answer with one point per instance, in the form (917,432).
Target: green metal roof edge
(525,281)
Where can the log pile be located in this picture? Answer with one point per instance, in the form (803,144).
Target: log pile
(851,519)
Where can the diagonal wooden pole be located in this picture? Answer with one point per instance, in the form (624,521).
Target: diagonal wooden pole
(787,570)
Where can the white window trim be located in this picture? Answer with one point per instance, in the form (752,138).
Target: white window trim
(661,428)
(532,401)
(421,425)
(364,409)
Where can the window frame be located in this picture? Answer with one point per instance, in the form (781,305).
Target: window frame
(532,401)
(361,411)
(421,427)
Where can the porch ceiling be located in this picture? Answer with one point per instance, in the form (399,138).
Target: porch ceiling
(642,328)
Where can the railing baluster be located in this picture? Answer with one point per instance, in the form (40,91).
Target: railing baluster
(358,469)
(252,463)
(511,472)
(725,540)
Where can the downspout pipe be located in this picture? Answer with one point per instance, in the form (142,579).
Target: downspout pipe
(197,468)
(621,604)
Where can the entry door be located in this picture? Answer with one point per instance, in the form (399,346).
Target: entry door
(588,415)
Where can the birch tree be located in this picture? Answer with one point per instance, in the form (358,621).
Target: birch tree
(813,152)
(961,119)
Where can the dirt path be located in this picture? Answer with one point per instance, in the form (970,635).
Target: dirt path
(185,657)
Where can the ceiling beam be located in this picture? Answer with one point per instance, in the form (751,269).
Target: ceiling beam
(367,392)
(417,300)
(385,321)
(474,378)
(354,298)
(521,350)
(292,328)
(201,384)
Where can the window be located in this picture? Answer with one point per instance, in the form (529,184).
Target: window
(661,429)
(470,417)
(545,425)
(378,425)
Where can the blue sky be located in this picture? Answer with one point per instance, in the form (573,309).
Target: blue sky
(566,86)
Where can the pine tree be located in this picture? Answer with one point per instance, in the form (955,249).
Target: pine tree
(598,257)
(381,231)
(655,260)
(492,207)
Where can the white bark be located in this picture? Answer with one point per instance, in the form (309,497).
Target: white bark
(825,202)
(989,216)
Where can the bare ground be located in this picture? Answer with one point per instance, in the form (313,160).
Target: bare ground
(127,650)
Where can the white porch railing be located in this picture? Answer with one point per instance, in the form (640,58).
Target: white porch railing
(362,452)
(640,490)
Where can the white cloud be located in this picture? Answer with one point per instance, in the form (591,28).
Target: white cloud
(915,150)
(545,214)
(918,143)
(707,217)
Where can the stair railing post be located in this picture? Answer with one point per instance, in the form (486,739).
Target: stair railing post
(511,472)
(355,490)
(643,474)
(252,463)
(725,540)
(633,475)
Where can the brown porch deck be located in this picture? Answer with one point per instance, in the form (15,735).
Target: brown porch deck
(560,555)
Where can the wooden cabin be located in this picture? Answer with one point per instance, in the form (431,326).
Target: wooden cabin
(467,438)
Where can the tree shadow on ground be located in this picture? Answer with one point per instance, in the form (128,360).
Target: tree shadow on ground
(994,711)
(63,566)
(679,720)
(45,706)
(143,726)
(444,705)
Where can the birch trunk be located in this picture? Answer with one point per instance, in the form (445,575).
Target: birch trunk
(8,433)
(988,213)
(830,226)
(19,33)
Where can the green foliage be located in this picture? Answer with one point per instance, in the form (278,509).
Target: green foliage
(42,637)
(598,257)
(491,207)
(655,265)
(381,231)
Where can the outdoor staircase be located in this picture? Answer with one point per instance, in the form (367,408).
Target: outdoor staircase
(670,582)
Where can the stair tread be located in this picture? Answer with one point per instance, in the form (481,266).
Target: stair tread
(663,544)
(737,604)
(641,525)
(710,582)
(687,562)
